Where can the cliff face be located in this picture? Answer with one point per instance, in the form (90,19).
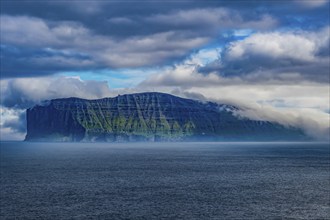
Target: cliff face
(146,117)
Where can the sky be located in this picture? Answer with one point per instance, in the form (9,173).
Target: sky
(270,58)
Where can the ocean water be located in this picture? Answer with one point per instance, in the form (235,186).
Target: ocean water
(165,181)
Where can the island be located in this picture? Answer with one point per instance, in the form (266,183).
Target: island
(149,116)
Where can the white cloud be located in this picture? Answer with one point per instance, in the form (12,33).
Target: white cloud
(12,125)
(35,31)
(185,73)
(294,55)
(25,92)
(314,122)
(153,49)
(300,46)
(204,56)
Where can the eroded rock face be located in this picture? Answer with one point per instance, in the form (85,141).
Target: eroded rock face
(147,117)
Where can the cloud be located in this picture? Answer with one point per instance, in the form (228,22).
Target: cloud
(297,46)
(95,15)
(50,47)
(53,46)
(23,93)
(12,124)
(151,36)
(262,59)
(212,19)
(276,93)
(277,54)
(315,123)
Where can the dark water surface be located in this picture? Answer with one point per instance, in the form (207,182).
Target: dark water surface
(165,181)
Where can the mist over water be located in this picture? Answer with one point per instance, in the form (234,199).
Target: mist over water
(165,180)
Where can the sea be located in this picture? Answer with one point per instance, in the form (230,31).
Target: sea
(165,180)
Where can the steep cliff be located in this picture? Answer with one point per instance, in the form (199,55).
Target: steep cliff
(146,117)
